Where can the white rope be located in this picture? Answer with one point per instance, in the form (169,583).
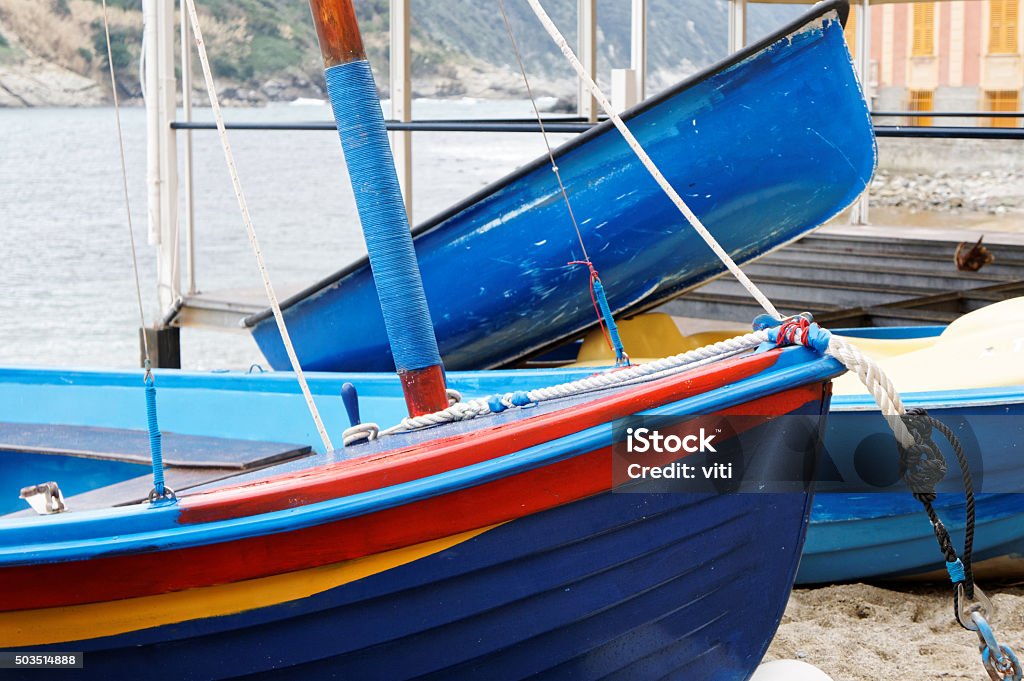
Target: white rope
(463,411)
(847,354)
(694,221)
(877,383)
(363,432)
(124,187)
(250,230)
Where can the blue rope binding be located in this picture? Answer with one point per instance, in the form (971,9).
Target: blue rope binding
(955,570)
(621,359)
(156,451)
(371,168)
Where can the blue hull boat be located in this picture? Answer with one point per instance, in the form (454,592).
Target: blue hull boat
(970,377)
(494,547)
(865,523)
(764,147)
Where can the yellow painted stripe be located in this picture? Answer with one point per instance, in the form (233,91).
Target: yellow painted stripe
(95,620)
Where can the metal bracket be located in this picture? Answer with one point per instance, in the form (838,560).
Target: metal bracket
(45,498)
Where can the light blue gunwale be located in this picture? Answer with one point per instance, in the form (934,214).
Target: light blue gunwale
(146,528)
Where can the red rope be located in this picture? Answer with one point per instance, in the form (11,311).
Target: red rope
(793,331)
(593,299)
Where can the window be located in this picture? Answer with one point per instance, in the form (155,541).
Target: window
(924,30)
(1002,23)
(851,31)
(1002,100)
(920,100)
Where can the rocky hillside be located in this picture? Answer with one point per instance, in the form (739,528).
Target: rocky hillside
(53,52)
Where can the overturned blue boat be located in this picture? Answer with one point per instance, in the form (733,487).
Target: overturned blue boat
(764,147)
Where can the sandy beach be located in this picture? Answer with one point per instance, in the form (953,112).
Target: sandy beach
(863,632)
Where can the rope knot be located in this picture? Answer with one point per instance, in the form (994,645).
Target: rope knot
(800,330)
(922,465)
(520,398)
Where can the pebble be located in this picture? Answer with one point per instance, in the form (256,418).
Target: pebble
(992,192)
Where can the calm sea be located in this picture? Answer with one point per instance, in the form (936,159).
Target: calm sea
(66,287)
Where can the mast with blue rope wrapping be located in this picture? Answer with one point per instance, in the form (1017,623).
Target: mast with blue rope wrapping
(371,167)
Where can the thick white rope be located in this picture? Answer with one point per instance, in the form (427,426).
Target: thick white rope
(462,411)
(877,383)
(250,230)
(694,221)
(847,354)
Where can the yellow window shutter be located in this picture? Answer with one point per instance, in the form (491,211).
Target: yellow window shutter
(1003,22)
(1012,23)
(924,29)
(921,100)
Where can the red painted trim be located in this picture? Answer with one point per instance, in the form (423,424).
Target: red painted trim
(533,491)
(437,456)
(424,390)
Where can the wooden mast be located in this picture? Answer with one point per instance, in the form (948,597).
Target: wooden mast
(381,207)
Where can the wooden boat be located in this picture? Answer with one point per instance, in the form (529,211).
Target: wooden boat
(764,146)
(491,546)
(865,524)
(501,537)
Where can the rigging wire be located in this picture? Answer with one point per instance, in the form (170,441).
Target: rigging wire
(543,132)
(604,315)
(160,490)
(124,187)
(211,90)
(633,144)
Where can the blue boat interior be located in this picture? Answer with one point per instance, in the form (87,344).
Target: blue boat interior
(91,439)
(104,467)
(240,427)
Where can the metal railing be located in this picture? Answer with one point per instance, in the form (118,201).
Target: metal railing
(577,125)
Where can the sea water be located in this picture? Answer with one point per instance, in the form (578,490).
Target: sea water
(67,294)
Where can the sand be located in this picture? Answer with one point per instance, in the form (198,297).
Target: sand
(860,632)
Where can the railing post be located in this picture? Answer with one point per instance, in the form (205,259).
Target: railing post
(587,48)
(186,105)
(859,212)
(401,97)
(162,163)
(638,47)
(737,25)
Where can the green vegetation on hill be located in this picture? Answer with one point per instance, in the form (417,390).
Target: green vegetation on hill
(255,42)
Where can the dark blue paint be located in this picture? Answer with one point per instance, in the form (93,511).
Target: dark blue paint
(632,585)
(763,150)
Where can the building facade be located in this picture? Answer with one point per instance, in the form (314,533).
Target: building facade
(948,56)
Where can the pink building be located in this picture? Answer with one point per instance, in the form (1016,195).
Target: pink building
(951,55)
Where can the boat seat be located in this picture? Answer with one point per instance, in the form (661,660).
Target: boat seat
(190,460)
(132,446)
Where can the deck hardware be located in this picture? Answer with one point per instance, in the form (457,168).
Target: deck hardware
(45,498)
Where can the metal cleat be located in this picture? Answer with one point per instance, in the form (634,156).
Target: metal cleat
(45,499)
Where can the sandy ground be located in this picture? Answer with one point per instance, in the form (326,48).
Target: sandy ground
(860,632)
